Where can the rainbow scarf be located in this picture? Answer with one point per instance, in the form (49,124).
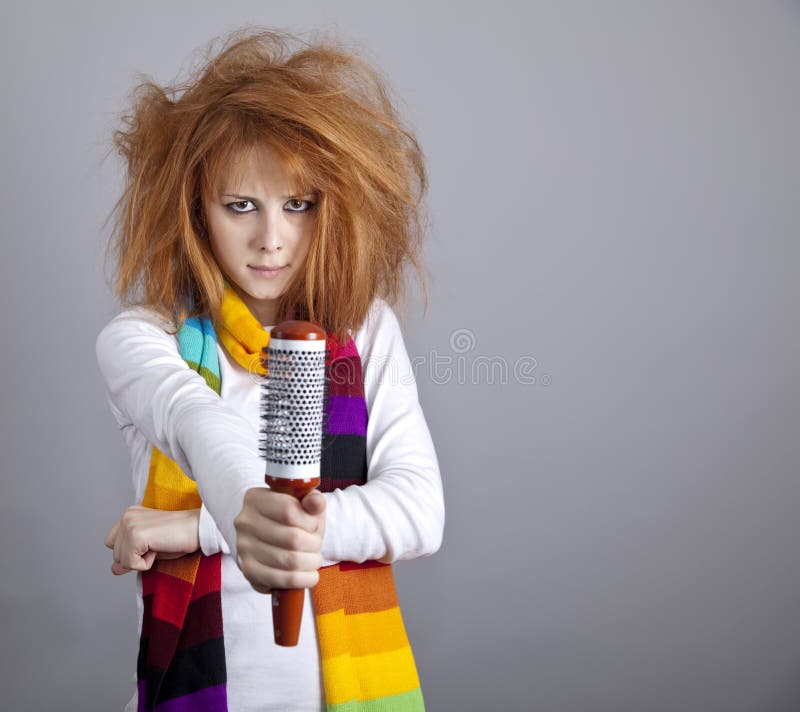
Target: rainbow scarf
(367,663)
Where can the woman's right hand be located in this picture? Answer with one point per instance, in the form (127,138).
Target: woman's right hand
(279,539)
(143,534)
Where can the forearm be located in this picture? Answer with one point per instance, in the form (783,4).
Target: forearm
(399,512)
(223,466)
(387,520)
(152,388)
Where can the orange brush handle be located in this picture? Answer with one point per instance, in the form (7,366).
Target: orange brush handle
(287,603)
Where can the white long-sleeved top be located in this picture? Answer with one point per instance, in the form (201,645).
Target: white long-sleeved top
(398,514)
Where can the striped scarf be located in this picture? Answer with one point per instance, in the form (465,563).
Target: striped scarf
(367,663)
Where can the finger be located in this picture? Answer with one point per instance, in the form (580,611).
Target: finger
(282,508)
(118,570)
(274,557)
(117,548)
(135,562)
(314,503)
(112,535)
(264,532)
(264,578)
(148,560)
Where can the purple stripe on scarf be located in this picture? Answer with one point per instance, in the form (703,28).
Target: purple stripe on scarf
(211,699)
(347,415)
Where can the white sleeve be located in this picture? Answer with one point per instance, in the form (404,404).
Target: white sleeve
(209,536)
(399,512)
(150,386)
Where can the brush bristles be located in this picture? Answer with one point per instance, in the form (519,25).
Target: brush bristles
(292,404)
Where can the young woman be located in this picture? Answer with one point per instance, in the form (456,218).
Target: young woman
(277,181)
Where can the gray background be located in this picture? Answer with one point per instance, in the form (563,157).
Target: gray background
(614,204)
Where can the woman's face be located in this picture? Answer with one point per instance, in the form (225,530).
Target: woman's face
(259,230)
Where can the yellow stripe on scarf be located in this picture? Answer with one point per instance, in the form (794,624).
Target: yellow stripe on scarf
(241,334)
(361,633)
(167,487)
(370,676)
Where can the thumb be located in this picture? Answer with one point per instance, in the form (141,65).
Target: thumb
(148,559)
(314,503)
(112,535)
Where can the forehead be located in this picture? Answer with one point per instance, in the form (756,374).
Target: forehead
(255,168)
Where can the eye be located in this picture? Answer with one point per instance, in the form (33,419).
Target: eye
(296,205)
(240,206)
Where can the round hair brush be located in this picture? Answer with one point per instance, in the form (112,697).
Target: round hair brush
(292,400)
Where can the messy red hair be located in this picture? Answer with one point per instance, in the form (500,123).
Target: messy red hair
(328,115)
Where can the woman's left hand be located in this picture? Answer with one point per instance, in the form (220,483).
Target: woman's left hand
(141,535)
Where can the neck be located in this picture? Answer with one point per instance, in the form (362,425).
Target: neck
(264,311)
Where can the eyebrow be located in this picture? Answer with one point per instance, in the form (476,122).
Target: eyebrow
(241,196)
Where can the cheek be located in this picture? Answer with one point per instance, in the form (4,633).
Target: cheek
(214,242)
(223,237)
(223,248)
(212,228)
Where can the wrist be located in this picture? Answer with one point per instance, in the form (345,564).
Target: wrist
(209,536)
(189,522)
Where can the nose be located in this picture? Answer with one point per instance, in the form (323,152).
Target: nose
(269,237)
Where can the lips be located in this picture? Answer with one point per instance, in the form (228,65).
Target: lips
(267,272)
